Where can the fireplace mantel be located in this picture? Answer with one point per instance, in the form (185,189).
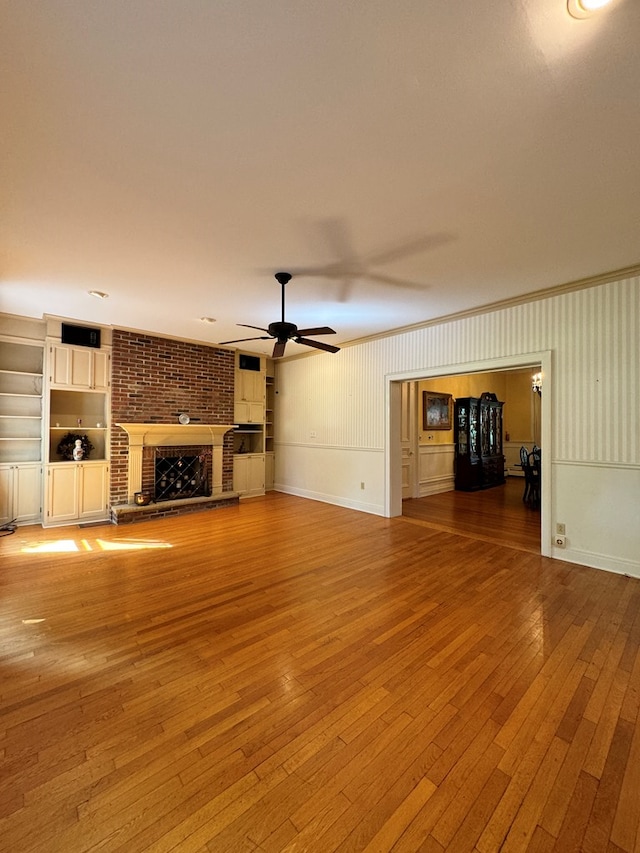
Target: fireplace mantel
(173,435)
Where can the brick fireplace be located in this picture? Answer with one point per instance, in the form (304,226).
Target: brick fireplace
(154,381)
(207,436)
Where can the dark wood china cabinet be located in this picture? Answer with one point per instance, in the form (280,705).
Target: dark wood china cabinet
(478,442)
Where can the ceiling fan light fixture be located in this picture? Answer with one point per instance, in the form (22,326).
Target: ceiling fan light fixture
(98,294)
(585,8)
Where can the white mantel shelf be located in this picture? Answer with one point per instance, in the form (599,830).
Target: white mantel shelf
(173,435)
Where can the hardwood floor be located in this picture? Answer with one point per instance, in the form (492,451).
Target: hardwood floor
(496,515)
(292,676)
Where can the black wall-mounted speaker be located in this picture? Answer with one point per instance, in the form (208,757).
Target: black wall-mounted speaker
(80,336)
(249,362)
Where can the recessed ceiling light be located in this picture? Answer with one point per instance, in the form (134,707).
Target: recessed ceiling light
(585,8)
(207,319)
(98,294)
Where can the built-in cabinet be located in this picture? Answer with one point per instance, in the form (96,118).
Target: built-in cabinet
(79,367)
(76,491)
(21,378)
(20,493)
(269,461)
(20,402)
(249,474)
(249,395)
(253,435)
(78,406)
(479,457)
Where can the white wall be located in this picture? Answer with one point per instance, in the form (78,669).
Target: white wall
(332,415)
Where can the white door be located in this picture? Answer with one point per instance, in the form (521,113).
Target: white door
(408,433)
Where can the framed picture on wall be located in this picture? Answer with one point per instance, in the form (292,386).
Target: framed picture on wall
(436,410)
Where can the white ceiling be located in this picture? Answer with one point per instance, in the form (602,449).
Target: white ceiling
(177,153)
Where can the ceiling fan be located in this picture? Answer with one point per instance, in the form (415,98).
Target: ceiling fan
(283,332)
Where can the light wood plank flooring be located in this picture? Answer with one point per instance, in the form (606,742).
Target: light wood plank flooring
(495,515)
(291,676)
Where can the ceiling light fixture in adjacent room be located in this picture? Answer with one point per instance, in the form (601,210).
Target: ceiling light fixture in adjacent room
(98,294)
(207,319)
(585,8)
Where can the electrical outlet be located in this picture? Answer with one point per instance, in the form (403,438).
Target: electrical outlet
(561,529)
(362,485)
(560,541)
(313,434)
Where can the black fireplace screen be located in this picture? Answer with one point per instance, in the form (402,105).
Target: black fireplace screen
(180,477)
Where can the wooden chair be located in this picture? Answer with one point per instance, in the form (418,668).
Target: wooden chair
(532,478)
(524,464)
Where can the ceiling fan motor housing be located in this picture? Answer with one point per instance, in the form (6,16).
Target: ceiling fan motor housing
(282,331)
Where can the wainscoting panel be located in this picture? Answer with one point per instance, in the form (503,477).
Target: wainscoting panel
(436,469)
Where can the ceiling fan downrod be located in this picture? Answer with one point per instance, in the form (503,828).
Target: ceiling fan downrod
(282,278)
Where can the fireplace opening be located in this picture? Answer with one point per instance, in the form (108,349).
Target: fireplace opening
(178,477)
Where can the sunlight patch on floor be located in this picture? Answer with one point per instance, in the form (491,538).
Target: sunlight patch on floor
(131,545)
(68,546)
(60,546)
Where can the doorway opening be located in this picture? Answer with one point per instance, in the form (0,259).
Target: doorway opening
(420,462)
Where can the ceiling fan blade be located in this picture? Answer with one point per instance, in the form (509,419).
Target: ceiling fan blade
(247,326)
(278,350)
(316,344)
(321,330)
(240,340)
(396,282)
(423,243)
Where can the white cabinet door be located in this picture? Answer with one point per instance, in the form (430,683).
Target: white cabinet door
(62,493)
(252,385)
(269,471)
(27,493)
(59,365)
(6,494)
(241,474)
(77,491)
(101,371)
(248,474)
(92,498)
(256,474)
(20,490)
(247,412)
(79,367)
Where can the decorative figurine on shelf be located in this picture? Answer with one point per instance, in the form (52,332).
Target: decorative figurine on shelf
(78,452)
(69,445)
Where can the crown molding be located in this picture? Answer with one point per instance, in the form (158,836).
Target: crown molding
(488,308)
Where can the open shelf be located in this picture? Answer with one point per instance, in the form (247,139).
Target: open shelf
(248,438)
(79,413)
